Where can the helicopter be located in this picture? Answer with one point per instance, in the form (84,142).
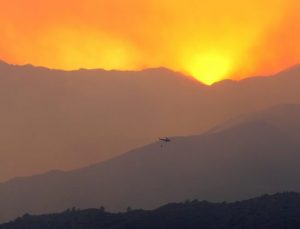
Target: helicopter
(166,139)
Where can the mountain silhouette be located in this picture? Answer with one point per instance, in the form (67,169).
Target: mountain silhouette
(69,119)
(243,158)
(276,211)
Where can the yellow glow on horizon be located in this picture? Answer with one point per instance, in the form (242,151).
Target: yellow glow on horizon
(209,68)
(210,40)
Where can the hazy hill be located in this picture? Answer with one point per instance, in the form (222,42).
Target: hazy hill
(243,158)
(69,119)
(63,120)
(279,211)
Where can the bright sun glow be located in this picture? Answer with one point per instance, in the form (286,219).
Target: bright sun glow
(210,40)
(209,67)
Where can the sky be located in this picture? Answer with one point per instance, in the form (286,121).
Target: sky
(209,40)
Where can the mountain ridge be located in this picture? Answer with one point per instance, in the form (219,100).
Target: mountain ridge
(259,116)
(70,120)
(242,161)
(289,70)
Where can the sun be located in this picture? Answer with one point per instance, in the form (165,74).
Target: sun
(209,67)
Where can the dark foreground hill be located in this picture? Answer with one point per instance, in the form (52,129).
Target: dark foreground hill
(265,212)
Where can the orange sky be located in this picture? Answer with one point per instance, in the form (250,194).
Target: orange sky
(211,40)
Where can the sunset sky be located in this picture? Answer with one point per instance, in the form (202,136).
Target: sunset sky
(210,40)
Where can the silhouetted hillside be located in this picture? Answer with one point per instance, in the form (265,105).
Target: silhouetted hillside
(66,120)
(279,211)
